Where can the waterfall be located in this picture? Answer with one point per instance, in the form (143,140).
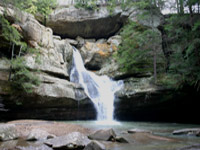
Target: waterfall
(100,89)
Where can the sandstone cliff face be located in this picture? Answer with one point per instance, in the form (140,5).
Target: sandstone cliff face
(56,95)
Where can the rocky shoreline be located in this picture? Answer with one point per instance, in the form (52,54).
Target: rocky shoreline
(49,135)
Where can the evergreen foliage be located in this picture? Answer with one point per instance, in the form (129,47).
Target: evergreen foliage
(185,50)
(43,7)
(20,75)
(22,78)
(138,46)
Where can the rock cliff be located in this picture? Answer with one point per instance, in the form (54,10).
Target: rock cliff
(95,34)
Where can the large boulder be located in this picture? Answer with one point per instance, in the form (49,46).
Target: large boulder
(8,132)
(104,135)
(72,22)
(74,140)
(39,135)
(95,145)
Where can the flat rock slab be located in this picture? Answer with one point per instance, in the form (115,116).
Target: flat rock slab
(74,140)
(138,131)
(192,131)
(103,134)
(8,132)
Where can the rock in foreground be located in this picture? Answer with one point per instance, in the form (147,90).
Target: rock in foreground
(104,135)
(8,132)
(95,145)
(74,140)
(38,134)
(192,131)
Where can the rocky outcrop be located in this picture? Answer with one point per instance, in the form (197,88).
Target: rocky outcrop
(72,22)
(55,94)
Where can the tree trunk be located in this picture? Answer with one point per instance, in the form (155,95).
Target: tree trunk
(155,66)
(191,14)
(177,5)
(45,21)
(12,55)
(181,6)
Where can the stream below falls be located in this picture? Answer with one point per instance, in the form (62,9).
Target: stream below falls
(161,137)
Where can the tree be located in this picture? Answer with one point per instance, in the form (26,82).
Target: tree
(45,7)
(20,75)
(139,49)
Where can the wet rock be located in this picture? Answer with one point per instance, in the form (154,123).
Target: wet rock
(121,139)
(192,131)
(38,135)
(104,135)
(138,131)
(8,132)
(95,145)
(74,140)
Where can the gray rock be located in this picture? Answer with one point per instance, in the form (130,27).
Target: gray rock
(35,147)
(138,131)
(73,140)
(8,144)
(72,22)
(95,145)
(192,147)
(8,132)
(157,18)
(33,32)
(38,135)
(192,131)
(115,40)
(95,55)
(71,41)
(101,41)
(121,139)
(104,135)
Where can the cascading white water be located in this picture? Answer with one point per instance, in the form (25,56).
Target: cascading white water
(100,89)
